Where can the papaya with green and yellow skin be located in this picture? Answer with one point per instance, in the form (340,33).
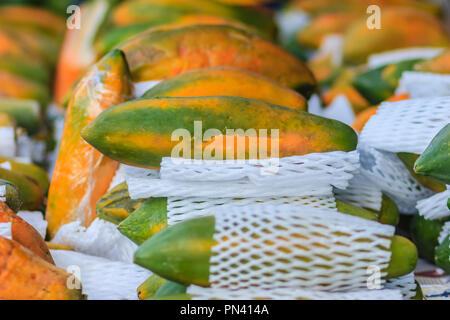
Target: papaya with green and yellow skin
(82,175)
(408,160)
(31,70)
(150,286)
(228,81)
(439,64)
(169,288)
(401,28)
(389,213)
(434,161)
(168,11)
(30,192)
(158,55)
(116,205)
(349,209)
(26,113)
(182,253)
(139,132)
(31,170)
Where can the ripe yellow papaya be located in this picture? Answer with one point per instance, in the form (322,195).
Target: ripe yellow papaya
(158,55)
(82,175)
(228,81)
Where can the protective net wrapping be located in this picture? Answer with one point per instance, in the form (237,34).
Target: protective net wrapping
(102,279)
(434,207)
(100,239)
(5,230)
(361,193)
(406,284)
(200,293)
(423,84)
(298,176)
(7,142)
(387,172)
(394,56)
(274,246)
(406,126)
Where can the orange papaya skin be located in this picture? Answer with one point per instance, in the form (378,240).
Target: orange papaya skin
(82,175)
(158,55)
(228,81)
(25,234)
(25,276)
(401,28)
(440,64)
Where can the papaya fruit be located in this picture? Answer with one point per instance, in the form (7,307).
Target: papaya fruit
(25,234)
(25,276)
(408,160)
(147,220)
(138,132)
(425,234)
(355,211)
(116,205)
(439,64)
(168,11)
(169,288)
(377,85)
(78,52)
(442,255)
(362,118)
(228,81)
(434,161)
(182,253)
(25,113)
(30,192)
(10,195)
(171,52)
(82,175)
(402,27)
(150,286)
(31,70)
(31,170)
(325,24)
(57,246)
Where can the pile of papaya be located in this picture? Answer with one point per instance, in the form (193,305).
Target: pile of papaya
(134,71)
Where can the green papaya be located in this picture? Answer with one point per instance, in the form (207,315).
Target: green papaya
(379,84)
(435,160)
(150,286)
(177,50)
(24,112)
(389,213)
(408,160)
(30,192)
(31,70)
(116,205)
(355,211)
(147,220)
(182,253)
(442,255)
(139,132)
(32,171)
(425,234)
(169,288)
(10,195)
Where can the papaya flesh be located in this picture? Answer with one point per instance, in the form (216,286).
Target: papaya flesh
(25,234)
(434,161)
(25,276)
(82,175)
(139,133)
(228,81)
(182,253)
(402,27)
(158,55)
(408,160)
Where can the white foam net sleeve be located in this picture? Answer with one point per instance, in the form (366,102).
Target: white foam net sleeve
(275,246)
(312,174)
(5,230)
(445,232)
(200,293)
(119,177)
(406,126)
(394,56)
(423,84)
(434,207)
(102,279)
(7,142)
(141,87)
(180,209)
(36,220)
(361,193)
(388,173)
(100,239)
(406,284)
